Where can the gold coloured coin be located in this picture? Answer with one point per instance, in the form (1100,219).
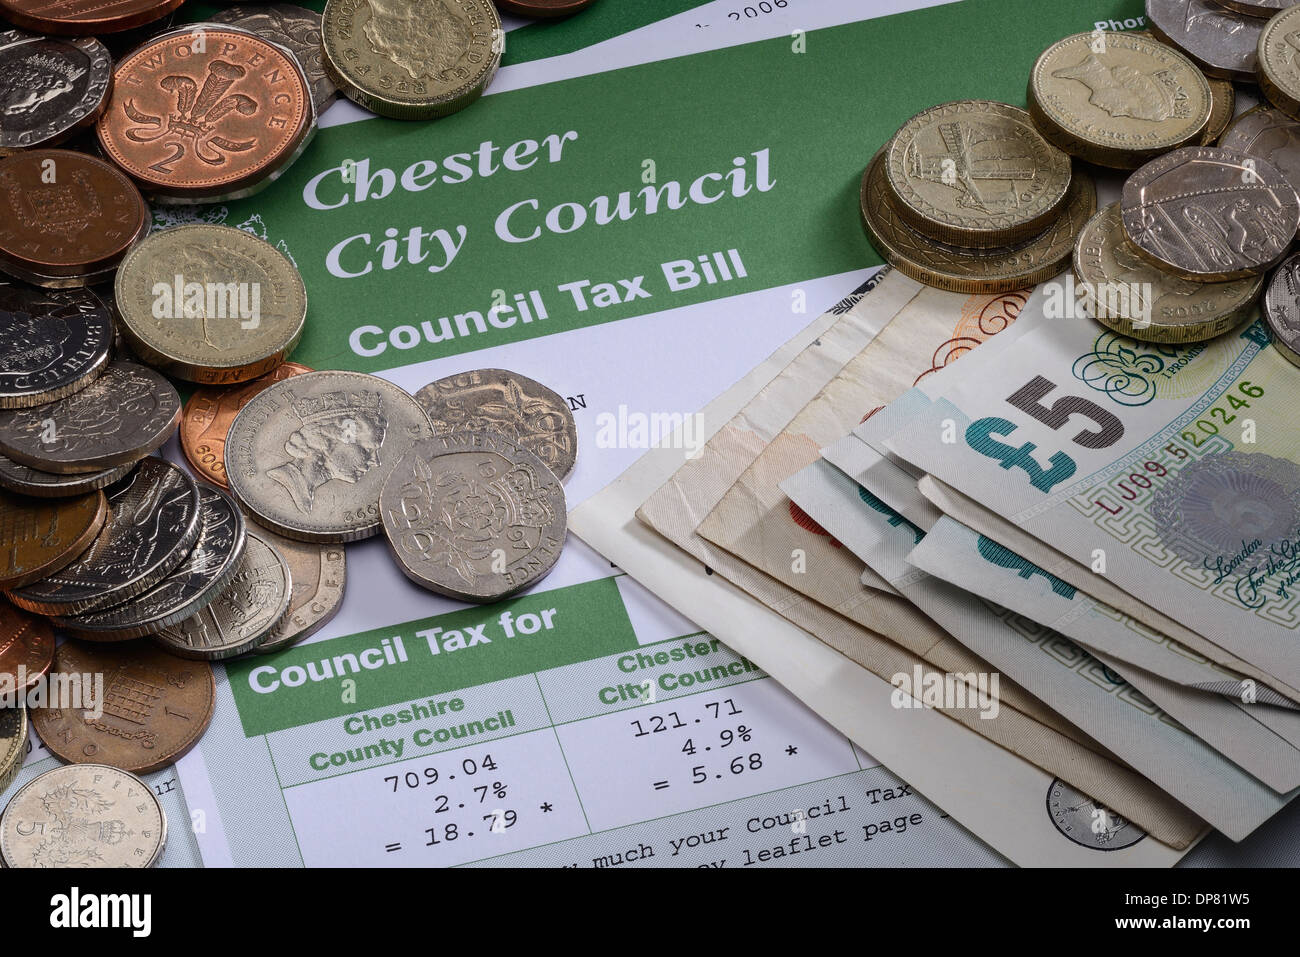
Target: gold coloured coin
(970,270)
(1223,107)
(411,59)
(1117,99)
(210,304)
(975,173)
(1126,293)
(1278,70)
(13,744)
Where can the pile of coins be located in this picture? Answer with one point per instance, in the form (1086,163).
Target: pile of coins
(979,196)
(148,573)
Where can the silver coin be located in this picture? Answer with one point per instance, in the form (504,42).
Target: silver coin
(319,574)
(51,343)
(1210,214)
(1220,41)
(307,456)
(243,614)
(1264,9)
(153,523)
(474,516)
(83,815)
(40,484)
(1268,134)
(1282,307)
(50,87)
(191,586)
(298,31)
(124,415)
(509,404)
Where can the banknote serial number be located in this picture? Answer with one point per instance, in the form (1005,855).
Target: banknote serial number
(752,11)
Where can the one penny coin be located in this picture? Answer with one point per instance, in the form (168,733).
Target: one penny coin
(69,218)
(84,17)
(41,536)
(26,649)
(197,125)
(152,709)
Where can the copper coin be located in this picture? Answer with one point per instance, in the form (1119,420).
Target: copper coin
(26,648)
(208,415)
(544,8)
(195,125)
(84,17)
(154,706)
(68,218)
(41,536)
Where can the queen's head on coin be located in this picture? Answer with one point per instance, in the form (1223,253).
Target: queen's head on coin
(423,37)
(338,437)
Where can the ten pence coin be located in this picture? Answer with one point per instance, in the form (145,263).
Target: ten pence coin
(474,516)
(308,456)
(155,707)
(83,815)
(193,126)
(124,415)
(210,304)
(509,404)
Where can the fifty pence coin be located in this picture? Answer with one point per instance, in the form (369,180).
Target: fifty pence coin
(84,17)
(153,525)
(1282,308)
(242,615)
(50,88)
(1117,99)
(83,815)
(209,414)
(412,61)
(39,484)
(319,576)
(509,404)
(1270,135)
(42,536)
(544,8)
(153,710)
(975,173)
(52,343)
(960,269)
(1218,40)
(210,304)
(1279,73)
(308,456)
(474,516)
(1126,293)
(13,744)
(125,414)
(1209,214)
(26,650)
(193,126)
(187,590)
(69,217)
(295,28)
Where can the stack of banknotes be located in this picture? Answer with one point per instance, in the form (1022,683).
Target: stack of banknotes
(1080,547)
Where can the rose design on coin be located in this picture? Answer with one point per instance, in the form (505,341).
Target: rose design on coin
(339,438)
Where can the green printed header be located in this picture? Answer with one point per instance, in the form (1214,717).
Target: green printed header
(625,193)
(430,656)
